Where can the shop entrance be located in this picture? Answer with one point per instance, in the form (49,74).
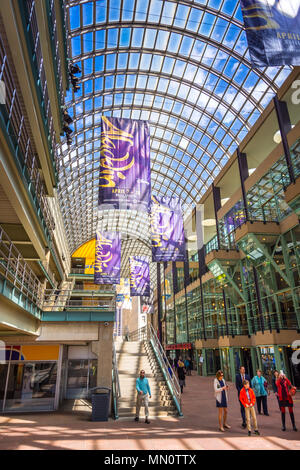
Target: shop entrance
(247,362)
(213,361)
(268,363)
(81,374)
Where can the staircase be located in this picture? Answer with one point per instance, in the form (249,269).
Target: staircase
(132,357)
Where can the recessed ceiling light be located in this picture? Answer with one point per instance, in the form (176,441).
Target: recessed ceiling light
(209,222)
(277,136)
(223,201)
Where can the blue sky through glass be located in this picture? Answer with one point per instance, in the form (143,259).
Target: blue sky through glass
(185,69)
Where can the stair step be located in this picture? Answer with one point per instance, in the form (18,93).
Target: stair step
(132,409)
(152,403)
(131,358)
(157,414)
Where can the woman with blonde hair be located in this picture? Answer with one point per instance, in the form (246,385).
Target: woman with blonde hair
(220,389)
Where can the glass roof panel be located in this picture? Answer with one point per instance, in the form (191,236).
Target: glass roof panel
(185,69)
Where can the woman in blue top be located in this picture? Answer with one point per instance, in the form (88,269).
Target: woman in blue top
(259,385)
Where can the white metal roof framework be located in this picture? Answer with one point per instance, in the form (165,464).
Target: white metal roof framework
(183,66)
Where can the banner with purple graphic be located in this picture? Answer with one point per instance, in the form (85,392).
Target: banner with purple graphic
(108,258)
(124,164)
(139,276)
(167,231)
(273,31)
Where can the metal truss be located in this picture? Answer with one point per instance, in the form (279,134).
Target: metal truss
(182,66)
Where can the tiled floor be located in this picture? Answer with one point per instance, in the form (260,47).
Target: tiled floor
(197,430)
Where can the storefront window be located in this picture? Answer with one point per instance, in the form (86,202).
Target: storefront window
(213,361)
(82,376)
(93,373)
(3,376)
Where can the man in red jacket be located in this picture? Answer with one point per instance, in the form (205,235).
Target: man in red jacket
(247,398)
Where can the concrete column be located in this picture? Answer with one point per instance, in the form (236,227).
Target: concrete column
(103,349)
(259,360)
(254,359)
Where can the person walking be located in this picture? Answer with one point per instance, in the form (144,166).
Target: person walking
(187,366)
(274,386)
(239,379)
(285,399)
(259,385)
(181,374)
(143,395)
(221,395)
(248,399)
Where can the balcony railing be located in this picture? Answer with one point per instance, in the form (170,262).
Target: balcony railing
(226,241)
(23,147)
(103,288)
(61,300)
(80,271)
(35,52)
(14,268)
(50,5)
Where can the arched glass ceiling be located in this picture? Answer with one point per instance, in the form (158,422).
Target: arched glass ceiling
(182,65)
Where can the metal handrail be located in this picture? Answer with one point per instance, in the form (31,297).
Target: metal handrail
(116,389)
(14,268)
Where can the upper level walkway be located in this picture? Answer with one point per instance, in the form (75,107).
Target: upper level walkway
(198,430)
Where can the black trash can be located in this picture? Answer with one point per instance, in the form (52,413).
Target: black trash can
(100,403)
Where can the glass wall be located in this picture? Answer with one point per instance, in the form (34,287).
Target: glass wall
(170,323)
(268,362)
(226,363)
(181,320)
(180,277)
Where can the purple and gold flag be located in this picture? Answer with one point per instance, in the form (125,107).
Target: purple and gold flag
(108,258)
(167,231)
(124,164)
(139,276)
(273,31)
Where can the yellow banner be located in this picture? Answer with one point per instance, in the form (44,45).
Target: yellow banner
(41,352)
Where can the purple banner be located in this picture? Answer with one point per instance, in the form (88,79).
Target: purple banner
(139,276)
(273,31)
(124,164)
(167,232)
(108,258)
